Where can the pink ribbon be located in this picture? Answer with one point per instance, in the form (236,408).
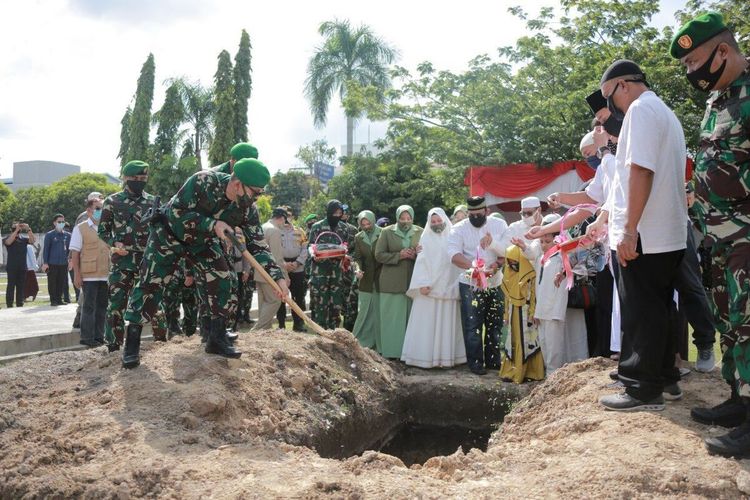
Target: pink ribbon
(478,273)
(564,245)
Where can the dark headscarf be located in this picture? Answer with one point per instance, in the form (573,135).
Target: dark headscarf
(332,206)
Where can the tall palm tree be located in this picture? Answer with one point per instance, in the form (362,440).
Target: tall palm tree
(347,55)
(199,108)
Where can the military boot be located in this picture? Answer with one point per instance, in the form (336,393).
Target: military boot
(130,355)
(218,343)
(174,327)
(736,443)
(205,328)
(730,413)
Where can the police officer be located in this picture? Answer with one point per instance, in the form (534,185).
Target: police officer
(714,64)
(294,246)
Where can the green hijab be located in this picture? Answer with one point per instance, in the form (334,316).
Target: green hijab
(369,236)
(405,235)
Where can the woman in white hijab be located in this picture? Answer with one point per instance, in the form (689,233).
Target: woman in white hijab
(433,335)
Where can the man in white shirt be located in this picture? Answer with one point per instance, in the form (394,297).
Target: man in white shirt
(483,236)
(647,210)
(90,259)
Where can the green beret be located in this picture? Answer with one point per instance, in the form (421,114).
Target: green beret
(243,150)
(135,167)
(252,173)
(310,217)
(695,33)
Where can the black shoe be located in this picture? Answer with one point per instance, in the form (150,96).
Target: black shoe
(231,336)
(218,343)
(189,333)
(130,355)
(299,328)
(478,370)
(730,413)
(174,329)
(113,347)
(205,328)
(55,304)
(613,375)
(736,443)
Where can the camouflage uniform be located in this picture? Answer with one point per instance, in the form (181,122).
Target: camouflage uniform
(327,288)
(121,223)
(178,295)
(722,175)
(188,231)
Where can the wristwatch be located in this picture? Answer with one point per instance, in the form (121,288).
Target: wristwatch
(603,150)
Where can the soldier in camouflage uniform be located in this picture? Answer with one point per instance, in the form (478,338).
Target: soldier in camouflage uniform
(181,293)
(238,152)
(192,226)
(327,289)
(722,188)
(120,227)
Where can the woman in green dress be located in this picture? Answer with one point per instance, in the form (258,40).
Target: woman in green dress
(396,250)
(367,326)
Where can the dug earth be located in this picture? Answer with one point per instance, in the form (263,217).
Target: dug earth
(304,417)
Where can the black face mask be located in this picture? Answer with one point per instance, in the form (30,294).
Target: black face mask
(615,112)
(244,200)
(612,146)
(702,78)
(333,220)
(136,187)
(612,125)
(477,220)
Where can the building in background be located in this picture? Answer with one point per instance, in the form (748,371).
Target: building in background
(37,173)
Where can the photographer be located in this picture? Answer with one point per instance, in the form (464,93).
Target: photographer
(16,242)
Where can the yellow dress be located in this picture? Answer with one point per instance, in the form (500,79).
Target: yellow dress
(522,356)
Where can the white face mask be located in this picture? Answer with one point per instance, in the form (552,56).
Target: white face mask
(528,220)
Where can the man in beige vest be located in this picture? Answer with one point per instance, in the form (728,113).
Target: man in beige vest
(268,301)
(90,259)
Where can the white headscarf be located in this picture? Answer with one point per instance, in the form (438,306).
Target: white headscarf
(433,266)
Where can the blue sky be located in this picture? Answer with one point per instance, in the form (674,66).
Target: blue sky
(68,68)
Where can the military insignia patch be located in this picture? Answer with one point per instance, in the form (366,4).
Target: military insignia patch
(685,42)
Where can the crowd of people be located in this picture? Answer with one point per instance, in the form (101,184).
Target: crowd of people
(617,269)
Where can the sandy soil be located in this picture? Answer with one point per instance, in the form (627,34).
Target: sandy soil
(189,425)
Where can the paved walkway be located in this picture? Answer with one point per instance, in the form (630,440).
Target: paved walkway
(31,320)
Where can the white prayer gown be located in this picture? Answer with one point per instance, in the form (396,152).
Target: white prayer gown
(433,335)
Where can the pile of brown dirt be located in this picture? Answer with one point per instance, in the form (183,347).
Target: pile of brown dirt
(188,425)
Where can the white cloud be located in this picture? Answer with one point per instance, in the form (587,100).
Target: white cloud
(68,69)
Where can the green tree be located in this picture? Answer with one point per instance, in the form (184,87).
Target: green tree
(37,205)
(243,86)
(199,109)
(527,105)
(347,56)
(223,137)
(140,120)
(317,151)
(263,204)
(124,135)
(169,119)
(292,188)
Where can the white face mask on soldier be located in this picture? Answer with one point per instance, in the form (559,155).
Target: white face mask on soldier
(528,220)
